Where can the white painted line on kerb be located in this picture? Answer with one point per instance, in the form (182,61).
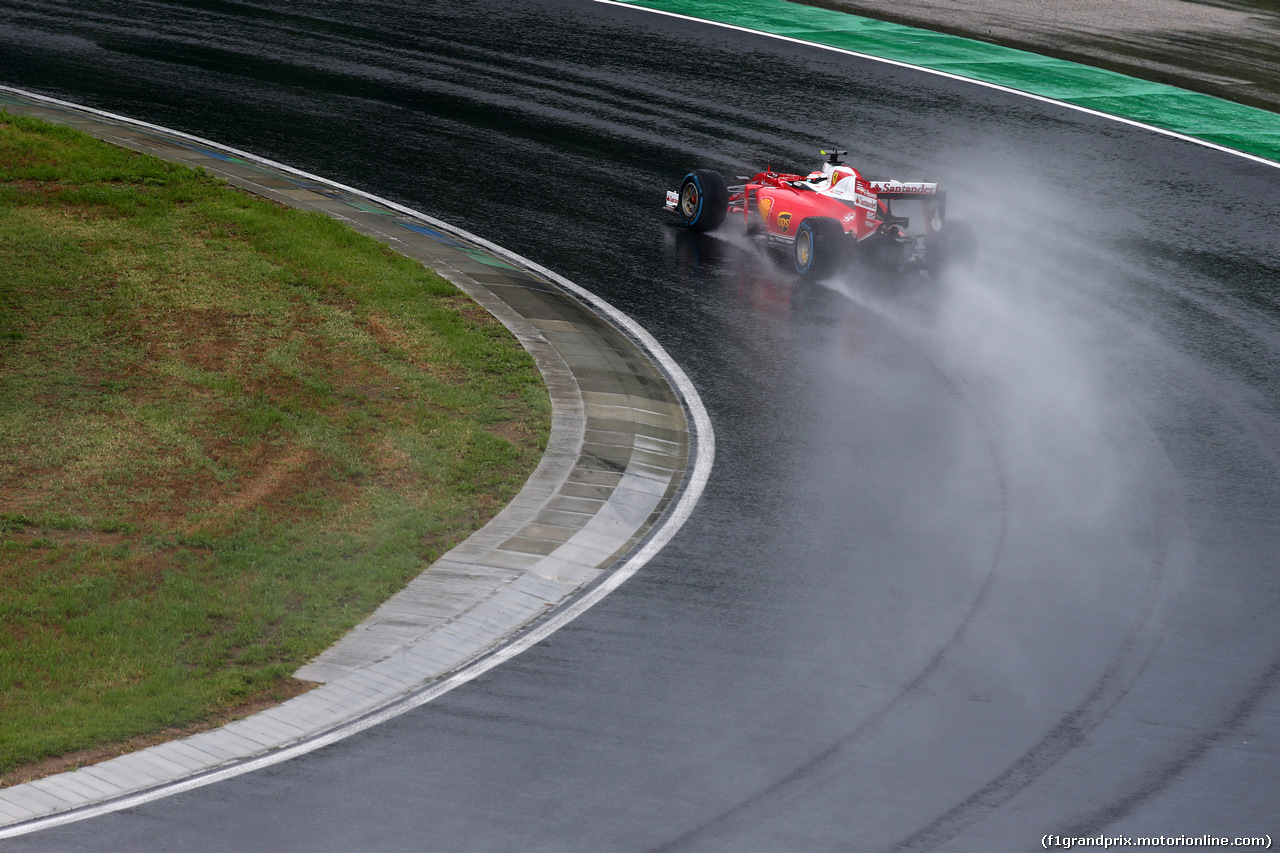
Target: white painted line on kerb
(953,76)
(701,452)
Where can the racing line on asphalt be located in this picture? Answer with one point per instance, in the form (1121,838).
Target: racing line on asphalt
(1224,126)
(1203,125)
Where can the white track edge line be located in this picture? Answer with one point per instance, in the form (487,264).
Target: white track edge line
(701,450)
(961,78)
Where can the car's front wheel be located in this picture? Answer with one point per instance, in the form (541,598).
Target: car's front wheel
(819,245)
(704,200)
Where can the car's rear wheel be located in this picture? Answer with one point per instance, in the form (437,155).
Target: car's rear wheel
(819,245)
(704,200)
(955,247)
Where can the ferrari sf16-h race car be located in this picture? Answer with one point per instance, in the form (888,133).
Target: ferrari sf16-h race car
(833,214)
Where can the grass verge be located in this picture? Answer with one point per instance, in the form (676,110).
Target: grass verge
(228,431)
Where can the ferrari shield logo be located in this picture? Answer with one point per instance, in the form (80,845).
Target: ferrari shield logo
(784,222)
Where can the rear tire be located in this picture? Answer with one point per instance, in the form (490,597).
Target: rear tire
(955,247)
(819,246)
(704,200)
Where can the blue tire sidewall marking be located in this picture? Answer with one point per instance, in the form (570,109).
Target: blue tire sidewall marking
(698,213)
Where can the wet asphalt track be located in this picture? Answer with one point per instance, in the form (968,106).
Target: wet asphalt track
(981,560)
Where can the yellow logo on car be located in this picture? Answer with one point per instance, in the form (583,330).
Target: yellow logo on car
(784,222)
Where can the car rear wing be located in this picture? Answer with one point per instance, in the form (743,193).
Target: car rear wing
(929,217)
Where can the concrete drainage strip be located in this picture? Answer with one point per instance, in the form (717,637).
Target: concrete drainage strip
(621,471)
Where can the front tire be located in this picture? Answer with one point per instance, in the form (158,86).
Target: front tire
(704,200)
(819,246)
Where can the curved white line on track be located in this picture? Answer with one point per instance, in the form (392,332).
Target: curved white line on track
(701,451)
(952,76)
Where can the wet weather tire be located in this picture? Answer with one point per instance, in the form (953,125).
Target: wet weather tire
(704,200)
(955,247)
(819,246)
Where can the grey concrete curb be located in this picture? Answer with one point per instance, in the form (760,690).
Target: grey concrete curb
(630,451)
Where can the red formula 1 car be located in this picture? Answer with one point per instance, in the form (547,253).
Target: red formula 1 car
(833,214)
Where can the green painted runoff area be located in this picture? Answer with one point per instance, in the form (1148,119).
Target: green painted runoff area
(1215,120)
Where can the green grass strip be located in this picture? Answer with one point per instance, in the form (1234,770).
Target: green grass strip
(1242,128)
(229,430)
